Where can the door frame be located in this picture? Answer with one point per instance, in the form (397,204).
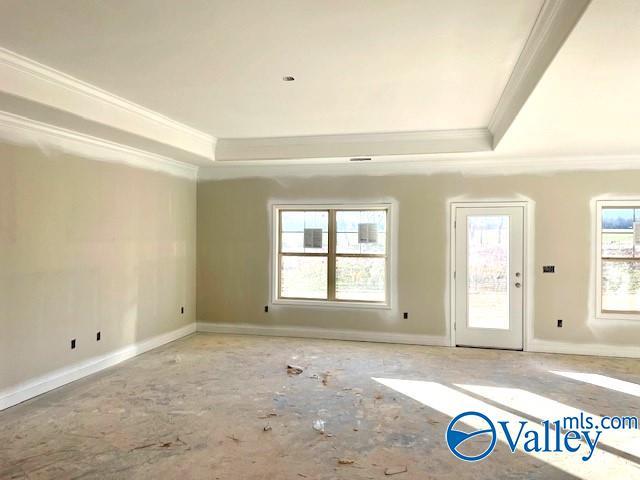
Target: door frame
(527,263)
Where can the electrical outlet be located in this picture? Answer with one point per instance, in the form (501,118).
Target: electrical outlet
(559,323)
(548,269)
(73,344)
(98,337)
(406,315)
(266,309)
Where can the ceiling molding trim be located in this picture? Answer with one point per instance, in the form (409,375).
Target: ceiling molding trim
(354,145)
(25,131)
(555,22)
(34,81)
(466,164)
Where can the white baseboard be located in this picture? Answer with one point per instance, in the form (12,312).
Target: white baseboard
(323,333)
(603,350)
(534,345)
(39,385)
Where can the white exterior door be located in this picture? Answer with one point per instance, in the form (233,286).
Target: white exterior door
(488,276)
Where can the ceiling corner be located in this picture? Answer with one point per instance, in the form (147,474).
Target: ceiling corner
(554,24)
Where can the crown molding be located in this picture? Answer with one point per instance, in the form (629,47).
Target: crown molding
(25,131)
(555,22)
(26,78)
(354,145)
(480,164)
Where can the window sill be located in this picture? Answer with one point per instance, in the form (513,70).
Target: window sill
(618,316)
(330,304)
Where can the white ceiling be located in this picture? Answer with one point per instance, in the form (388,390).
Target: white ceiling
(361,66)
(588,101)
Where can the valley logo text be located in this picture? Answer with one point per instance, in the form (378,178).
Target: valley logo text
(579,434)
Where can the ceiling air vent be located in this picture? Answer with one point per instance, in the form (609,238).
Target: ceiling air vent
(360,159)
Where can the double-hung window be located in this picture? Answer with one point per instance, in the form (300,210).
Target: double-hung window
(332,254)
(618,259)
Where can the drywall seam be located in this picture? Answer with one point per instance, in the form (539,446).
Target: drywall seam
(25,131)
(42,384)
(468,164)
(26,78)
(321,333)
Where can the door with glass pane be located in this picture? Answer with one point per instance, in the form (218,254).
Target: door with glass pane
(489,283)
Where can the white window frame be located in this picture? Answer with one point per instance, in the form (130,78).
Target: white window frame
(600,314)
(275,280)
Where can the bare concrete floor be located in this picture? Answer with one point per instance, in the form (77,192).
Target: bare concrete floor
(223,407)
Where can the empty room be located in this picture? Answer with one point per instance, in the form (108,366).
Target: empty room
(297,239)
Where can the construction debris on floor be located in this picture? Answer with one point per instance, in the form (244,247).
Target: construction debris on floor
(176,412)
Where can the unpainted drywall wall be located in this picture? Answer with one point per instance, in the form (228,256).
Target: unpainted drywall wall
(233,278)
(88,246)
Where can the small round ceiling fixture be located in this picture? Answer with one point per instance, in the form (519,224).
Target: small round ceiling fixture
(288,78)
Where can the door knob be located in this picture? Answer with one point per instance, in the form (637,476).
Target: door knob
(518,284)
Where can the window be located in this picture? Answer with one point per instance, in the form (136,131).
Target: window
(618,259)
(332,254)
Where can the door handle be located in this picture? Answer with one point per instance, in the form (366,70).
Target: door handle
(518,284)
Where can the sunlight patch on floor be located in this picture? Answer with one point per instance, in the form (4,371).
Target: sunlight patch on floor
(452,402)
(542,408)
(603,381)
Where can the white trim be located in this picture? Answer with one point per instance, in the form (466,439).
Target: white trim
(550,346)
(479,164)
(26,78)
(19,393)
(527,274)
(533,345)
(44,383)
(599,314)
(21,130)
(354,145)
(323,333)
(389,271)
(331,304)
(556,20)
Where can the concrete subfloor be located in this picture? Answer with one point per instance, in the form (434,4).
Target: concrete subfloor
(198,408)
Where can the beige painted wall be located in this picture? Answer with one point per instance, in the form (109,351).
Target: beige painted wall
(88,246)
(234,249)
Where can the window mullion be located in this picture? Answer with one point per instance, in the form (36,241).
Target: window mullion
(331,255)
(331,267)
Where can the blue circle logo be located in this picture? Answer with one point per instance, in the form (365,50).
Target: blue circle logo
(457,438)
